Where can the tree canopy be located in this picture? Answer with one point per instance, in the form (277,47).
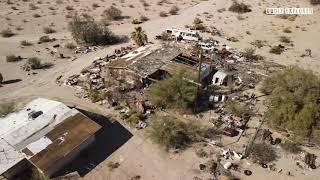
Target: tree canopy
(85,30)
(295,96)
(173,92)
(172,133)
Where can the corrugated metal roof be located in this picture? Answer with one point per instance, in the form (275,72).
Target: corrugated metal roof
(25,137)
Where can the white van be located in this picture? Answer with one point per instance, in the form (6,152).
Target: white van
(184,34)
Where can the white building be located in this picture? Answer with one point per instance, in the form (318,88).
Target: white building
(44,134)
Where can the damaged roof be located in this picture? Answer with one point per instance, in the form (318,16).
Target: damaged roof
(146,60)
(22,136)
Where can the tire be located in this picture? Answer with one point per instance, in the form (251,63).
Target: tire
(247,172)
(312,166)
(264,165)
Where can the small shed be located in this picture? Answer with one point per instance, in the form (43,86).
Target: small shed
(222,77)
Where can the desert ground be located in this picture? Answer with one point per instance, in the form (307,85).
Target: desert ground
(139,156)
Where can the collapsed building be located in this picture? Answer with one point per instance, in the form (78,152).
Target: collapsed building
(151,63)
(46,135)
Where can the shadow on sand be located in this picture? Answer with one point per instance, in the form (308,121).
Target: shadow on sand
(109,138)
(11,81)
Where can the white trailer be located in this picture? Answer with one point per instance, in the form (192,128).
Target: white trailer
(184,34)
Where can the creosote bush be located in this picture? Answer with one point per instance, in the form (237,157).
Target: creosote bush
(48,30)
(25,43)
(263,153)
(239,7)
(291,147)
(7,33)
(13,58)
(276,50)
(294,94)
(33,63)
(173,92)
(174,10)
(172,133)
(95,96)
(112,13)
(6,108)
(85,30)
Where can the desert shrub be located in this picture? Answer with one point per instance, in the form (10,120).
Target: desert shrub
(239,7)
(174,10)
(112,165)
(263,153)
(171,133)
(70,45)
(1,78)
(113,13)
(37,175)
(294,94)
(144,18)
(13,58)
(163,14)
(69,8)
(45,39)
(25,43)
(134,118)
(315,2)
(33,63)
(49,30)
(287,30)
(6,108)
(291,147)
(173,92)
(136,21)
(139,36)
(136,177)
(165,36)
(236,108)
(197,24)
(95,96)
(7,33)
(249,53)
(85,30)
(258,43)
(284,39)
(290,17)
(276,50)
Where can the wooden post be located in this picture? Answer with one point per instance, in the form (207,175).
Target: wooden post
(199,81)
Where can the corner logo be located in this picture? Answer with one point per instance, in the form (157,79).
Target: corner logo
(274,11)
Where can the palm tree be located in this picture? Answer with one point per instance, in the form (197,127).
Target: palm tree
(139,36)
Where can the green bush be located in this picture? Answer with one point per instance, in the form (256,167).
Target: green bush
(7,33)
(174,10)
(48,30)
(236,108)
(173,92)
(113,13)
(291,147)
(33,63)
(285,39)
(174,134)
(6,108)
(112,165)
(276,50)
(25,43)
(85,30)
(13,58)
(239,7)
(263,153)
(294,94)
(134,118)
(95,96)
(70,45)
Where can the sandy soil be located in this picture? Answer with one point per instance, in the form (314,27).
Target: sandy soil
(138,155)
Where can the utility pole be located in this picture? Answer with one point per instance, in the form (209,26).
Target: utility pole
(199,80)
